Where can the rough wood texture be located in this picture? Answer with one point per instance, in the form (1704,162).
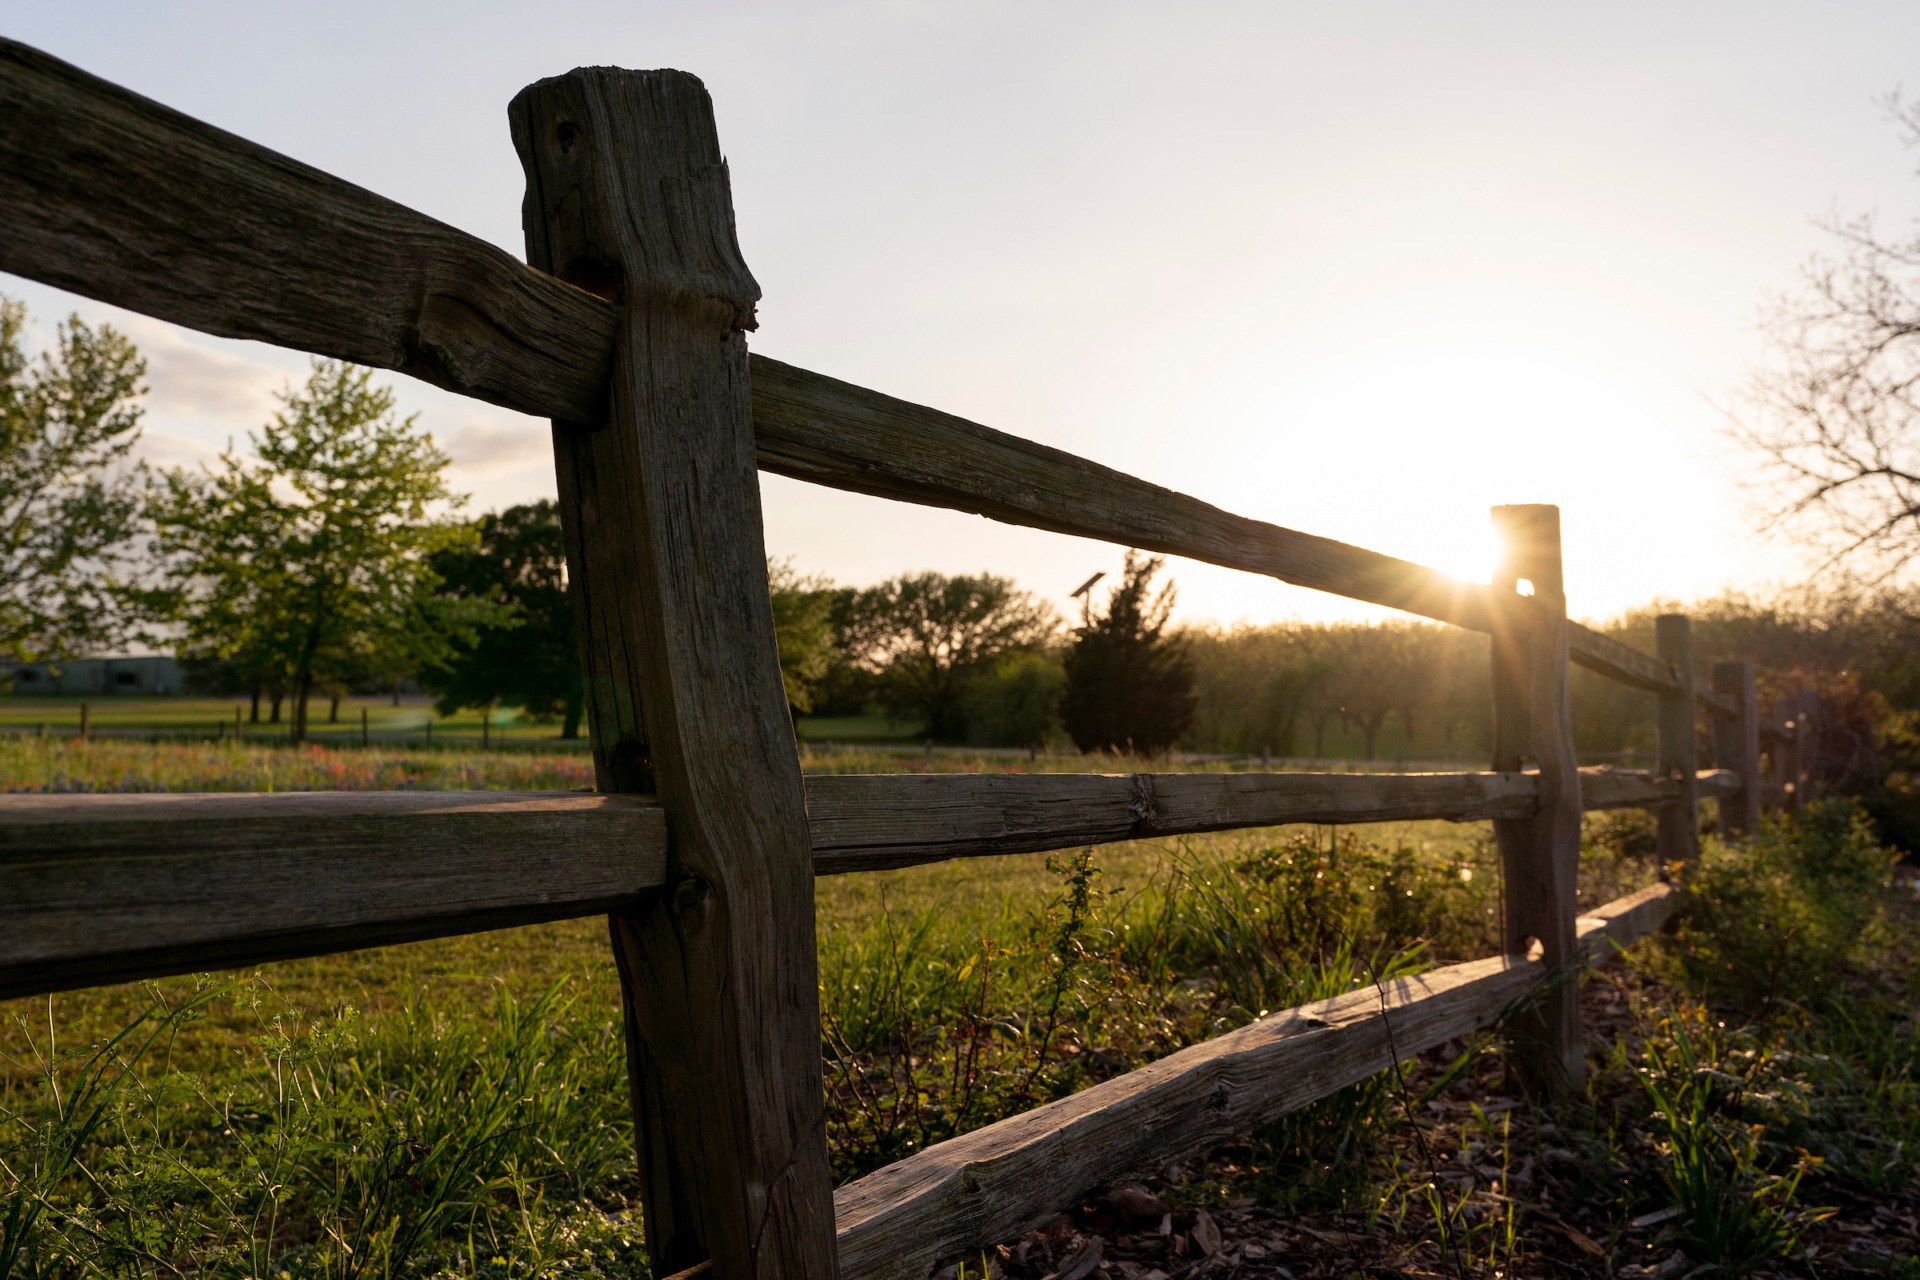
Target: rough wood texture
(627,195)
(1715,703)
(1677,835)
(1604,787)
(993,1183)
(815,428)
(1736,746)
(867,822)
(108,194)
(1801,719)
(1717,784)
(1608,930)
(1533,721)
(986,1186)
(1618,661)
(108,888)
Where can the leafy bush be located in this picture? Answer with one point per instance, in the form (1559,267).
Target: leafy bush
(1016,701)
(1779,918)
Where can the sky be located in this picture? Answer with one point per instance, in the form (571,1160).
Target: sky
(1361,269)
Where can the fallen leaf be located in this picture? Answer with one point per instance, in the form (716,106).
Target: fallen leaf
(1584,1242)
(1083,1262)
(1205,1233)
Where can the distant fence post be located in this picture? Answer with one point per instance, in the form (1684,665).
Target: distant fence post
(366,736)
(1736,746)
(1677,837)
(628,198)
(86,719)
(1806,733)
(1533,721)
(1793,763)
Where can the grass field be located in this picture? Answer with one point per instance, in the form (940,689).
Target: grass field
(458,1106)
(208,717)
(408,724)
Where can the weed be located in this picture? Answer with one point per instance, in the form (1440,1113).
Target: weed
(1711,1093)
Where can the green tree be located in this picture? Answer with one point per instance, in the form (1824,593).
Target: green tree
(301,561)
(928,636)
(1016,701)
(803,628)
(1129,683)
(1251,686)
(70,496)
(517,566)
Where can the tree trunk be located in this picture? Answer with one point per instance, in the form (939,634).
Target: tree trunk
(253,716)
(570,716)
(333,709)
(303,681)
(279,696)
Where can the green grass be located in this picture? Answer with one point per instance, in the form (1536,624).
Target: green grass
(458,1106)
(208,717)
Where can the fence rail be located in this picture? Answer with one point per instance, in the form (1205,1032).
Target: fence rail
(703,842)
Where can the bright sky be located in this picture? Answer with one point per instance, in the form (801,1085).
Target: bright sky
(1363,269)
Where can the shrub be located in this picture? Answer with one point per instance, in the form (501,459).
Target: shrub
(1778,918)
(1016,701)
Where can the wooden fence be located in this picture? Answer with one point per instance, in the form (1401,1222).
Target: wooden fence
(703,840)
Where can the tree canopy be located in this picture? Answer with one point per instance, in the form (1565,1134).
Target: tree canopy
(803,630)
(313,559)
(70,495)
(1129,683)
(926,637)
(517,565)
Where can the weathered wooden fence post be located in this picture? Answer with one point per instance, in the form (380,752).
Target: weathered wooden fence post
(628,197)
(1677,837)
(1533,722)
(1736,746)
(1792,751)
(1806,737)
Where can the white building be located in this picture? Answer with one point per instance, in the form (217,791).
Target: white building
(143,676)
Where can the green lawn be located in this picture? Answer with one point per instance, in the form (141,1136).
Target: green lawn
(967,898)
(458,1106)
(210,717)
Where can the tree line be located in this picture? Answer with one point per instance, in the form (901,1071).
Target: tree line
(331,556)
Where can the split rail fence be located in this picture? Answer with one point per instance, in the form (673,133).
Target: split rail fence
(703,840)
